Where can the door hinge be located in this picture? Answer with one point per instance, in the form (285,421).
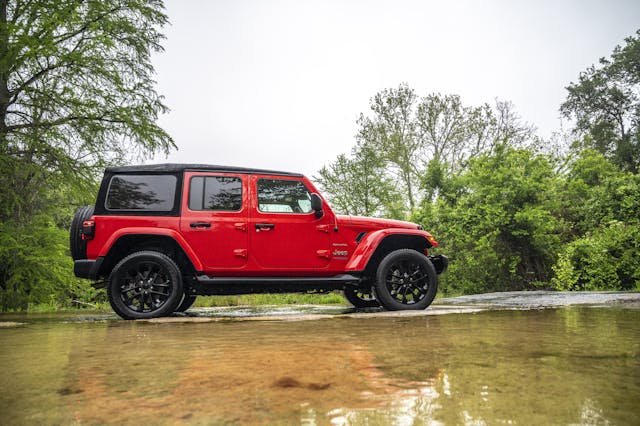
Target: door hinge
(240,253)
(323,228)
(326,254)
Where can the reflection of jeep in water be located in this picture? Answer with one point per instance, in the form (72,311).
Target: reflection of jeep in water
(160,235)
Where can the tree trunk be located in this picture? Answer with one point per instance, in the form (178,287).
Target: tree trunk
(4,72)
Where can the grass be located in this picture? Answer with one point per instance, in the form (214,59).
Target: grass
(334,298)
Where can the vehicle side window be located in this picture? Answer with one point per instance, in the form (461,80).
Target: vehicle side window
(219,193)
(141,192)
(283,196)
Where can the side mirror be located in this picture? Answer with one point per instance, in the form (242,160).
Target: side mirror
(316,205)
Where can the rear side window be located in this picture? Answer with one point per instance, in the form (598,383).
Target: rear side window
(141,193)
(218,193)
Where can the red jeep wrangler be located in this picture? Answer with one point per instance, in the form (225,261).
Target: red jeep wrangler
(159,235)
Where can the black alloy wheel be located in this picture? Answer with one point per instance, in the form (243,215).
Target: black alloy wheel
(360,297)
(146,284)
(406,280)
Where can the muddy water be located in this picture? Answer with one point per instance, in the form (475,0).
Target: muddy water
(576,365)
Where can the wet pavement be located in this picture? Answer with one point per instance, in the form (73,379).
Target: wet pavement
(545,299)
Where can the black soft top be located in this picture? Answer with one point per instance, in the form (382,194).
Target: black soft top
(175,167)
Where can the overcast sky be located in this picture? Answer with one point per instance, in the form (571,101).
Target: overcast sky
(280,84)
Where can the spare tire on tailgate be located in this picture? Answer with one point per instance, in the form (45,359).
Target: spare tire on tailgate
(77,244)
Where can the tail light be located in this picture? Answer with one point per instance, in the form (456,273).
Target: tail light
(88,229)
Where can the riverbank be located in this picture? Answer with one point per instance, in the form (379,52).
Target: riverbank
(503,300)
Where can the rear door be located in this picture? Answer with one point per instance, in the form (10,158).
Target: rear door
(214,218)
(285,235)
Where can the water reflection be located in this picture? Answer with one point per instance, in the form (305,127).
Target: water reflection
(568,366)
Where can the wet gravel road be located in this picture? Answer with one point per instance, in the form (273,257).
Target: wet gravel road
(544,299)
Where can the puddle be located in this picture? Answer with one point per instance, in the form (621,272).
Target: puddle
(451,364)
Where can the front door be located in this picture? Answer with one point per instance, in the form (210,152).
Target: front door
(285,234)
(214,219)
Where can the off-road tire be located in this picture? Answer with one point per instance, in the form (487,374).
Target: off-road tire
(187,301)
(360,298)
(405,280)
(145,284)
(77,245)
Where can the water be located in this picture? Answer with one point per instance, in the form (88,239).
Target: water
(575,365)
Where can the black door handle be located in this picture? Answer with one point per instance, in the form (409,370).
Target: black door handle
(200,224)
(265,226)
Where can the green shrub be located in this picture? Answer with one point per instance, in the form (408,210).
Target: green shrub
(605,260)
(36,269)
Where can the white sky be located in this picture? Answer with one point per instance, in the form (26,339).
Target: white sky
(280,84)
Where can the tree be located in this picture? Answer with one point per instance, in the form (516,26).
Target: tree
(358,184)
(452,133)
(392,133)
(605,103)
(499,229)
(424,140)
(76,93)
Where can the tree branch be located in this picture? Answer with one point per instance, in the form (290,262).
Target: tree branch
(64,37)
(61,121)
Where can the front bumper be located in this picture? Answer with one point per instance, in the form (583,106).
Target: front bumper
(440,262)
(87,268)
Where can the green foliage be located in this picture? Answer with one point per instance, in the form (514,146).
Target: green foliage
(499,228)
(358,184)
(509,217)
(605,260)
(585,172)
(603,204)
(76,93)
(417,144)
(35,267)
(605,103)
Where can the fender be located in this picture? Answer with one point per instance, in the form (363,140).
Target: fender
(373,240)
(123,232)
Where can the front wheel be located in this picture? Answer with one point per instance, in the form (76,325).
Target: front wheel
(360,298)
(146,284)
(406,280)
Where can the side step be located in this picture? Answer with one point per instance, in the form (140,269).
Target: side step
(206,285)
(338,279)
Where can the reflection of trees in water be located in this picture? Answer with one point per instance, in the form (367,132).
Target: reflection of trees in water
(486,368)
(272,369)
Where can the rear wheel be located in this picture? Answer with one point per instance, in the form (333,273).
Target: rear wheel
(406,280)
(361,298)
(146,284)
(187,301)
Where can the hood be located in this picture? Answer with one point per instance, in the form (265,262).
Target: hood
(369,223)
